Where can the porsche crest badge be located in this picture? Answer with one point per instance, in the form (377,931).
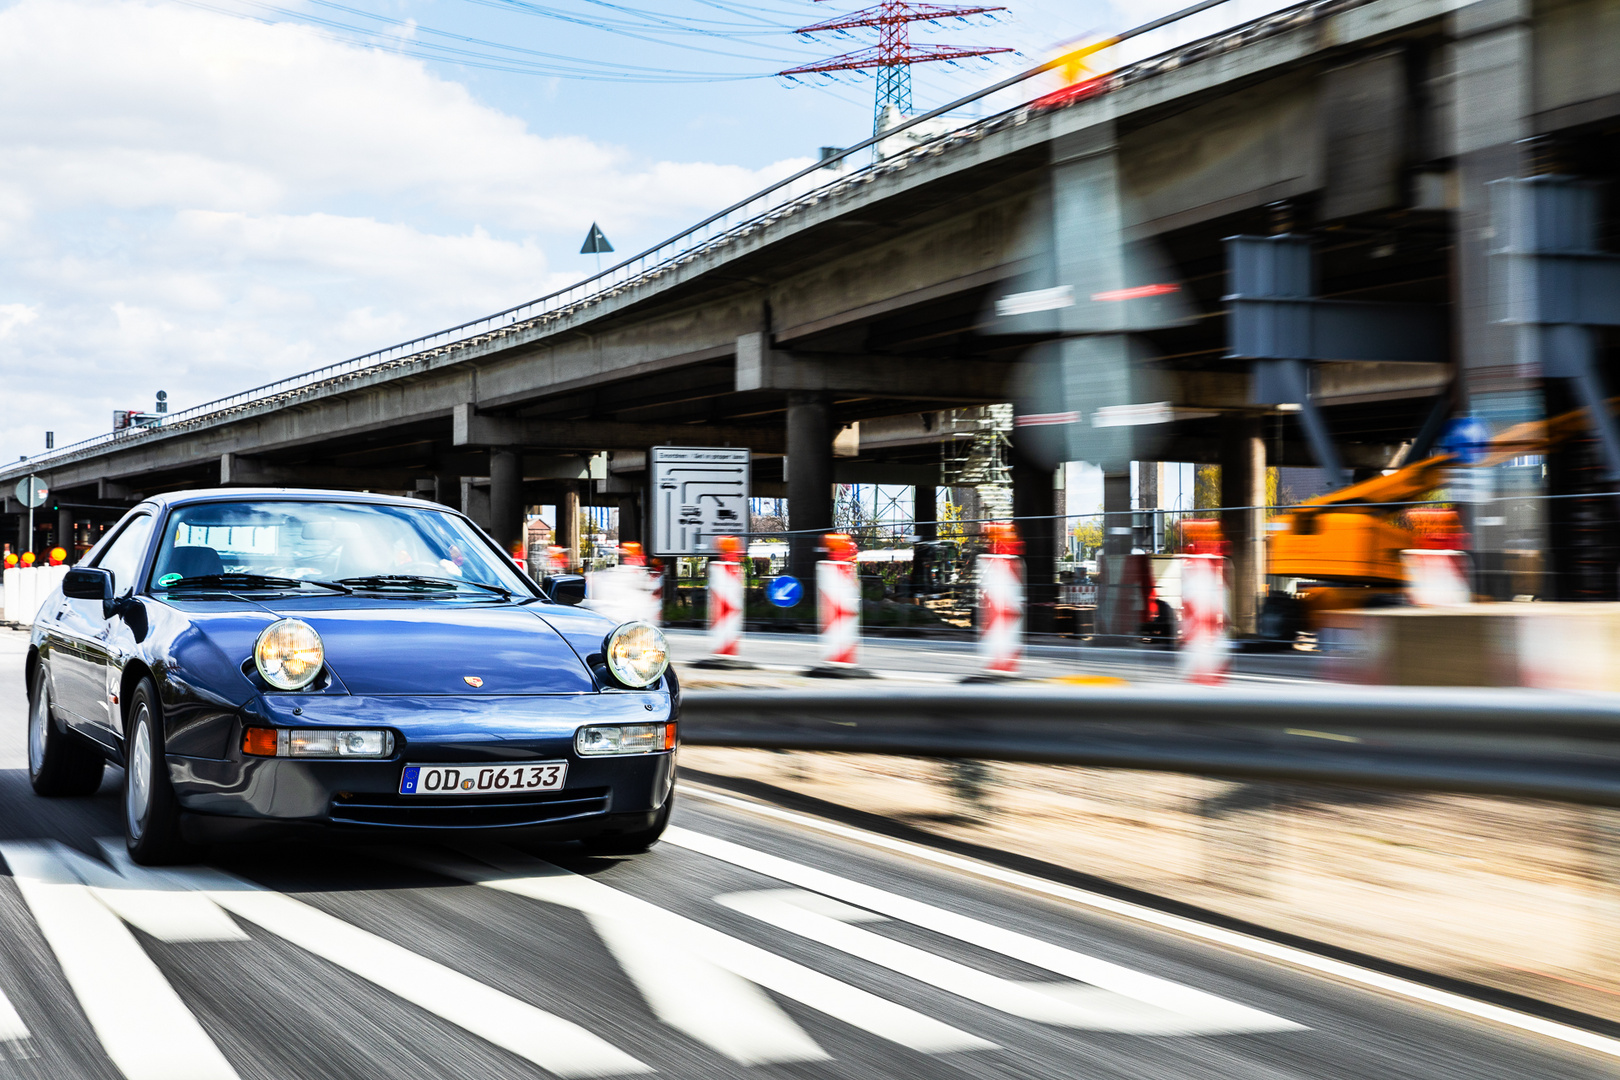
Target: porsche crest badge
(472,680)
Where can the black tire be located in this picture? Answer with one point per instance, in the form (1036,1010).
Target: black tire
(632,843)
(151,812)
(58,762)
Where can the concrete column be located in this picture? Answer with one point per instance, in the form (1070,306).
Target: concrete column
(629,519)
(1118,609)
(1492,82)
(506,497)
(447,489)
(1243,488)
(810,478)
(22,533)
(924,512)
(64,532)
(1117,513)
(1033,506)
(475,502)
(568,524)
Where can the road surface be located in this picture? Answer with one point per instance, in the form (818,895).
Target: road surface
(753,942)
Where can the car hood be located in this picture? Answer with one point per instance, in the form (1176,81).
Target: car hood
(419,648)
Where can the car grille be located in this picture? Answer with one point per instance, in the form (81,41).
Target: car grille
(431,812)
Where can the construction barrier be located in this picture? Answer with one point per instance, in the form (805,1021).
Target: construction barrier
(838,603)
(26,588)
(1203,624)
(726,598)
(624,594)
(1437,578)
(1001,600)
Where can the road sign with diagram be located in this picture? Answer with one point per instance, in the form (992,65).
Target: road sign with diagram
(699,493)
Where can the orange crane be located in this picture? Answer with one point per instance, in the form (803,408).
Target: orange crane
(1344,548)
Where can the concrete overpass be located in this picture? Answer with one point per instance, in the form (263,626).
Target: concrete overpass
(1368,128)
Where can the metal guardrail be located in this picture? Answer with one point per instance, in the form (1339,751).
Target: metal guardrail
(738,221)
(1509,742)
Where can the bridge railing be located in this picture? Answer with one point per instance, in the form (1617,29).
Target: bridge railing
(805,188)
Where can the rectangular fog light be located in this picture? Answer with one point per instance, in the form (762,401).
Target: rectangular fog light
(330,743)
(602,739)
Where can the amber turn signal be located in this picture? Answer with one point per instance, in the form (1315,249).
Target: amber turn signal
(669,736)
(259,741)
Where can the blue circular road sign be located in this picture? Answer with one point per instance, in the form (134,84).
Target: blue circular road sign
(1467,438)
(784,591)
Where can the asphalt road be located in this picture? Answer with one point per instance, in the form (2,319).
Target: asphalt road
(940,662)
(751,943)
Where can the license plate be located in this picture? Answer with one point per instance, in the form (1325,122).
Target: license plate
(482,779)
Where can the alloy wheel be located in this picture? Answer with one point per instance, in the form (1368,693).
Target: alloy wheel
(138,776)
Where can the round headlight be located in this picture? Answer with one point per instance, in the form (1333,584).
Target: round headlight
(636,654)
(289,654)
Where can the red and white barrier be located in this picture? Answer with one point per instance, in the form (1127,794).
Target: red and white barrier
(838,606)
(624,594)
(725,607)
(1204,641)
(1437,578)
(1001,612)
(26,588)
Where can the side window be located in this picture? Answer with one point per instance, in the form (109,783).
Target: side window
(123,556)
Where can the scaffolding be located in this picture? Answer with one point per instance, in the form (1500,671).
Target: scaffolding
(977,456)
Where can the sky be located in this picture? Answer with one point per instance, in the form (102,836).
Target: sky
(203,196)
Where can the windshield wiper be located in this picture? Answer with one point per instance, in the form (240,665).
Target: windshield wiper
(383,581)
(251,581)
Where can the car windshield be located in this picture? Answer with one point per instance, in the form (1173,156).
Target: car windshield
(363,547)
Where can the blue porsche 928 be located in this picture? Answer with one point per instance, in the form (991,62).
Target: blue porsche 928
(269,661)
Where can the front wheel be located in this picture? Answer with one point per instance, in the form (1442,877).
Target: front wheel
(58,763)
(151,812)
(632,843)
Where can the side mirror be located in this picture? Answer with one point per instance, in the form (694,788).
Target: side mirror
(566,589)
(88,583)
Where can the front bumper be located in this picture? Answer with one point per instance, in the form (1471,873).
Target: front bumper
(231,796)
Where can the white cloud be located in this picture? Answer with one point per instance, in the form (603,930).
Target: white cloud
(201,203)
(15,315)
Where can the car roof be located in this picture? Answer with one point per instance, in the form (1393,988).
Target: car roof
(273,494)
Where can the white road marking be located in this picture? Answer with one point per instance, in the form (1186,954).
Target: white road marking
(12,1028)
(149,901)
(1199,1012)
(143,1025)
(523,875)
(1231,939)
(703,1000)
(555,1044)
(1068,1004)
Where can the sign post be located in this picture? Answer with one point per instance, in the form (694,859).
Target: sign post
(31,492)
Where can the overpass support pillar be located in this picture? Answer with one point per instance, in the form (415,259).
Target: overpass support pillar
(1118,612)
(1243,489)
(809,481)
(1034,504)
(924,515)
(506,497)
(64,531)
(629,519)
(568,523)
(1491,77)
